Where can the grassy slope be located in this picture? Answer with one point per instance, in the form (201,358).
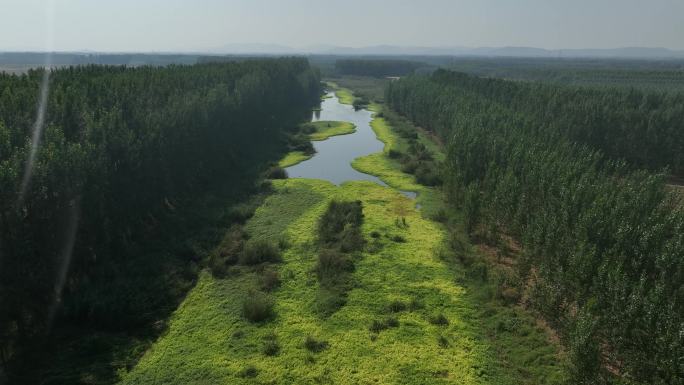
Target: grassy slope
(209,342)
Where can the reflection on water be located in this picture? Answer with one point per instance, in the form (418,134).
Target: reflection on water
(333,158)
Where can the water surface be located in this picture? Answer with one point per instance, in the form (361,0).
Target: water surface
(332,161)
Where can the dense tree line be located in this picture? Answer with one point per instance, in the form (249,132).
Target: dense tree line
(645,128)
(119,145)
(602,243)
(376,68)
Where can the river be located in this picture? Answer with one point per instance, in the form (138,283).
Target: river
(332,161)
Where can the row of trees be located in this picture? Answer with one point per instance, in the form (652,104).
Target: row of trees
(645,128)
(602,243)
(120,144)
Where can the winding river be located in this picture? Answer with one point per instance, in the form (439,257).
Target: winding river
(332,161)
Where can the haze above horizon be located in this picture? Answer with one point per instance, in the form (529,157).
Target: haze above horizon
(218,26)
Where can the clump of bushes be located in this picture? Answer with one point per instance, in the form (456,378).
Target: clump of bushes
(396,306)
(332,266)
(360,103)
(313,345)
(227,252)
(415,304)
(339,234)
(271,346)
(340,226)
(300,142)
(443,341)
(258,307)
(276,172)
(269,280)
(398,239)
(249,372)
(439,319)
(259,251)
(377,326)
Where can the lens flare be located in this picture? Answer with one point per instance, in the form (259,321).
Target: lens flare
(44,91)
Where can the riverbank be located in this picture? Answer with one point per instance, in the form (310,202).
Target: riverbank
(442,318)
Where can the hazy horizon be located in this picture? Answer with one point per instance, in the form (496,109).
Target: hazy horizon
(210,25)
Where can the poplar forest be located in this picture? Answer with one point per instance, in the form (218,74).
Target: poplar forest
(323,219)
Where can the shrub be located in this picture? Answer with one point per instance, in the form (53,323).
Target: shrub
(392,322)
(439,319)
(509,295)
(276,173)
(271,348)
(398,239)
(259,251)
(396,306)
(415,304)
(338,219)
(257,307)
(443,341)
(479,271)
(329,300)
(249,372)
(226,254)
(313,345)
(394,154)
(331,266)
(269,280)
(240,213)
(375,234)
(378,326)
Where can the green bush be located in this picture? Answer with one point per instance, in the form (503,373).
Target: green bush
(394,154)
(276,173)
(313,345)
(443,341)
(258,307)
(271,348)
(227,252)
(396,306)
(259,251)
(269,280)
(398,239)
(329,300)
(378,326)
(249,372)
(439,319)
(332,265)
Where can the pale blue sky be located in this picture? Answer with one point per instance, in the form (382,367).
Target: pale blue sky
(187,25)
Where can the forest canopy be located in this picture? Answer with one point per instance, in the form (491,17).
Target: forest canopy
(602,240)
(119,145)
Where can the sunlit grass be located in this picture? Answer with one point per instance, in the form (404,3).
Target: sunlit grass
(293,158)
(326,129)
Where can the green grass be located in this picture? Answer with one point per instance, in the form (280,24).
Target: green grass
(293,158)
(343,94)
(370,339)
(325,129)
